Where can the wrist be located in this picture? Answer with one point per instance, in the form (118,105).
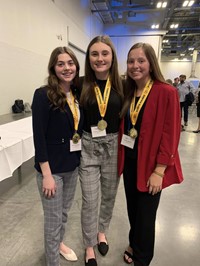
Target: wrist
(47,176)
(158,173)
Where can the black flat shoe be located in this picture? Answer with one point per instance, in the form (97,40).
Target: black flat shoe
(91,262)
(196,131)
(103,248)
(129,255)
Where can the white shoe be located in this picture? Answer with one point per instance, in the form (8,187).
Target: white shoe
(69,256)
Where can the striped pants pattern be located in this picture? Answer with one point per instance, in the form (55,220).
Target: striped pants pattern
(98,175)
(56,213)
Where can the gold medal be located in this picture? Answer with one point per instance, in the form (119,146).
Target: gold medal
(76,138)
(133,133)
(103,103)
(102,124)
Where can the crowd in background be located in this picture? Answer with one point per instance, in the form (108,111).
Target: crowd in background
(188,95)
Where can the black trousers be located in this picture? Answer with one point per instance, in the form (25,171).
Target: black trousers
(142,208)
(184,109)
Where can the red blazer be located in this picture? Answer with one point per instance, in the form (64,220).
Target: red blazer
(159,137)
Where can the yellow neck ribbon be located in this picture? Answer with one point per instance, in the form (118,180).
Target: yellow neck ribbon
(103,101)
(134,111)
(73,107)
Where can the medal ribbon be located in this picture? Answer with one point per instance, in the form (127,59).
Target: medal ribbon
(73,108)
(103,101)
(134,111)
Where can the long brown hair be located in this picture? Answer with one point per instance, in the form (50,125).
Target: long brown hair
(88,95)
(55,93)
(155,73)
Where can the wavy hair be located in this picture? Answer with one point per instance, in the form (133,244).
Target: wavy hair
(88,95)
(55,93)
(130,85)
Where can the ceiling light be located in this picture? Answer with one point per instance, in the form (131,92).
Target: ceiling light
(185,3)
(155,26)
(161,4)
(191,3)
(165,41)
(191,48)
(188,3)
(182,54)
(173,26)
(164,4)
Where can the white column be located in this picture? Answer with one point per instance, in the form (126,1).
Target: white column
(194,60)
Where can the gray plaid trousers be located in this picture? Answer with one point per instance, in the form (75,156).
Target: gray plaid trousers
(56,213)
(98,174)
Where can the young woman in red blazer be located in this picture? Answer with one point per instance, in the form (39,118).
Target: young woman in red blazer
(148,154)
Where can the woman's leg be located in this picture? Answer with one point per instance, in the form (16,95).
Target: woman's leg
(95,155)
(199,124)
(198,115)
(144,234)
(52,220)
(129,175)
(69,189)
(109,183)
(142,208)
(185,109)
(89,179)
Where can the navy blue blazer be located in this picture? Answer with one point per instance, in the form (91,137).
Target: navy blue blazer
(52,132)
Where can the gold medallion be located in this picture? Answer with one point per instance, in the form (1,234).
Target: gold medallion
(133,133)
(102,124)
(76,138)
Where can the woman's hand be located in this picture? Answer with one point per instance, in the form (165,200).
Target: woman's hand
(48,182)
(49,186)
(154,183)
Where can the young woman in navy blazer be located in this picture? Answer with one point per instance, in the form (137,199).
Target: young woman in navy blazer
(57,127)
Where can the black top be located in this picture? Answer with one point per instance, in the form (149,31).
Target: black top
(132,153)
(52,132)
(92,115)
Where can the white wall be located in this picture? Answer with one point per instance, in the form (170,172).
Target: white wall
(30,30)
(171,70)
(78,12)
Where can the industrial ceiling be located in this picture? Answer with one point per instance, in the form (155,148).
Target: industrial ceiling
(181,24)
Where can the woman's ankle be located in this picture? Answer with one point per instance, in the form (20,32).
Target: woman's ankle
(101,237)
(64,248)
(130,250)
(89,252)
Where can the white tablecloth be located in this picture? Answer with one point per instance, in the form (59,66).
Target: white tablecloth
(16,145)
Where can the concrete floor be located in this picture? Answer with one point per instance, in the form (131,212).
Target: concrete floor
(177,227)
